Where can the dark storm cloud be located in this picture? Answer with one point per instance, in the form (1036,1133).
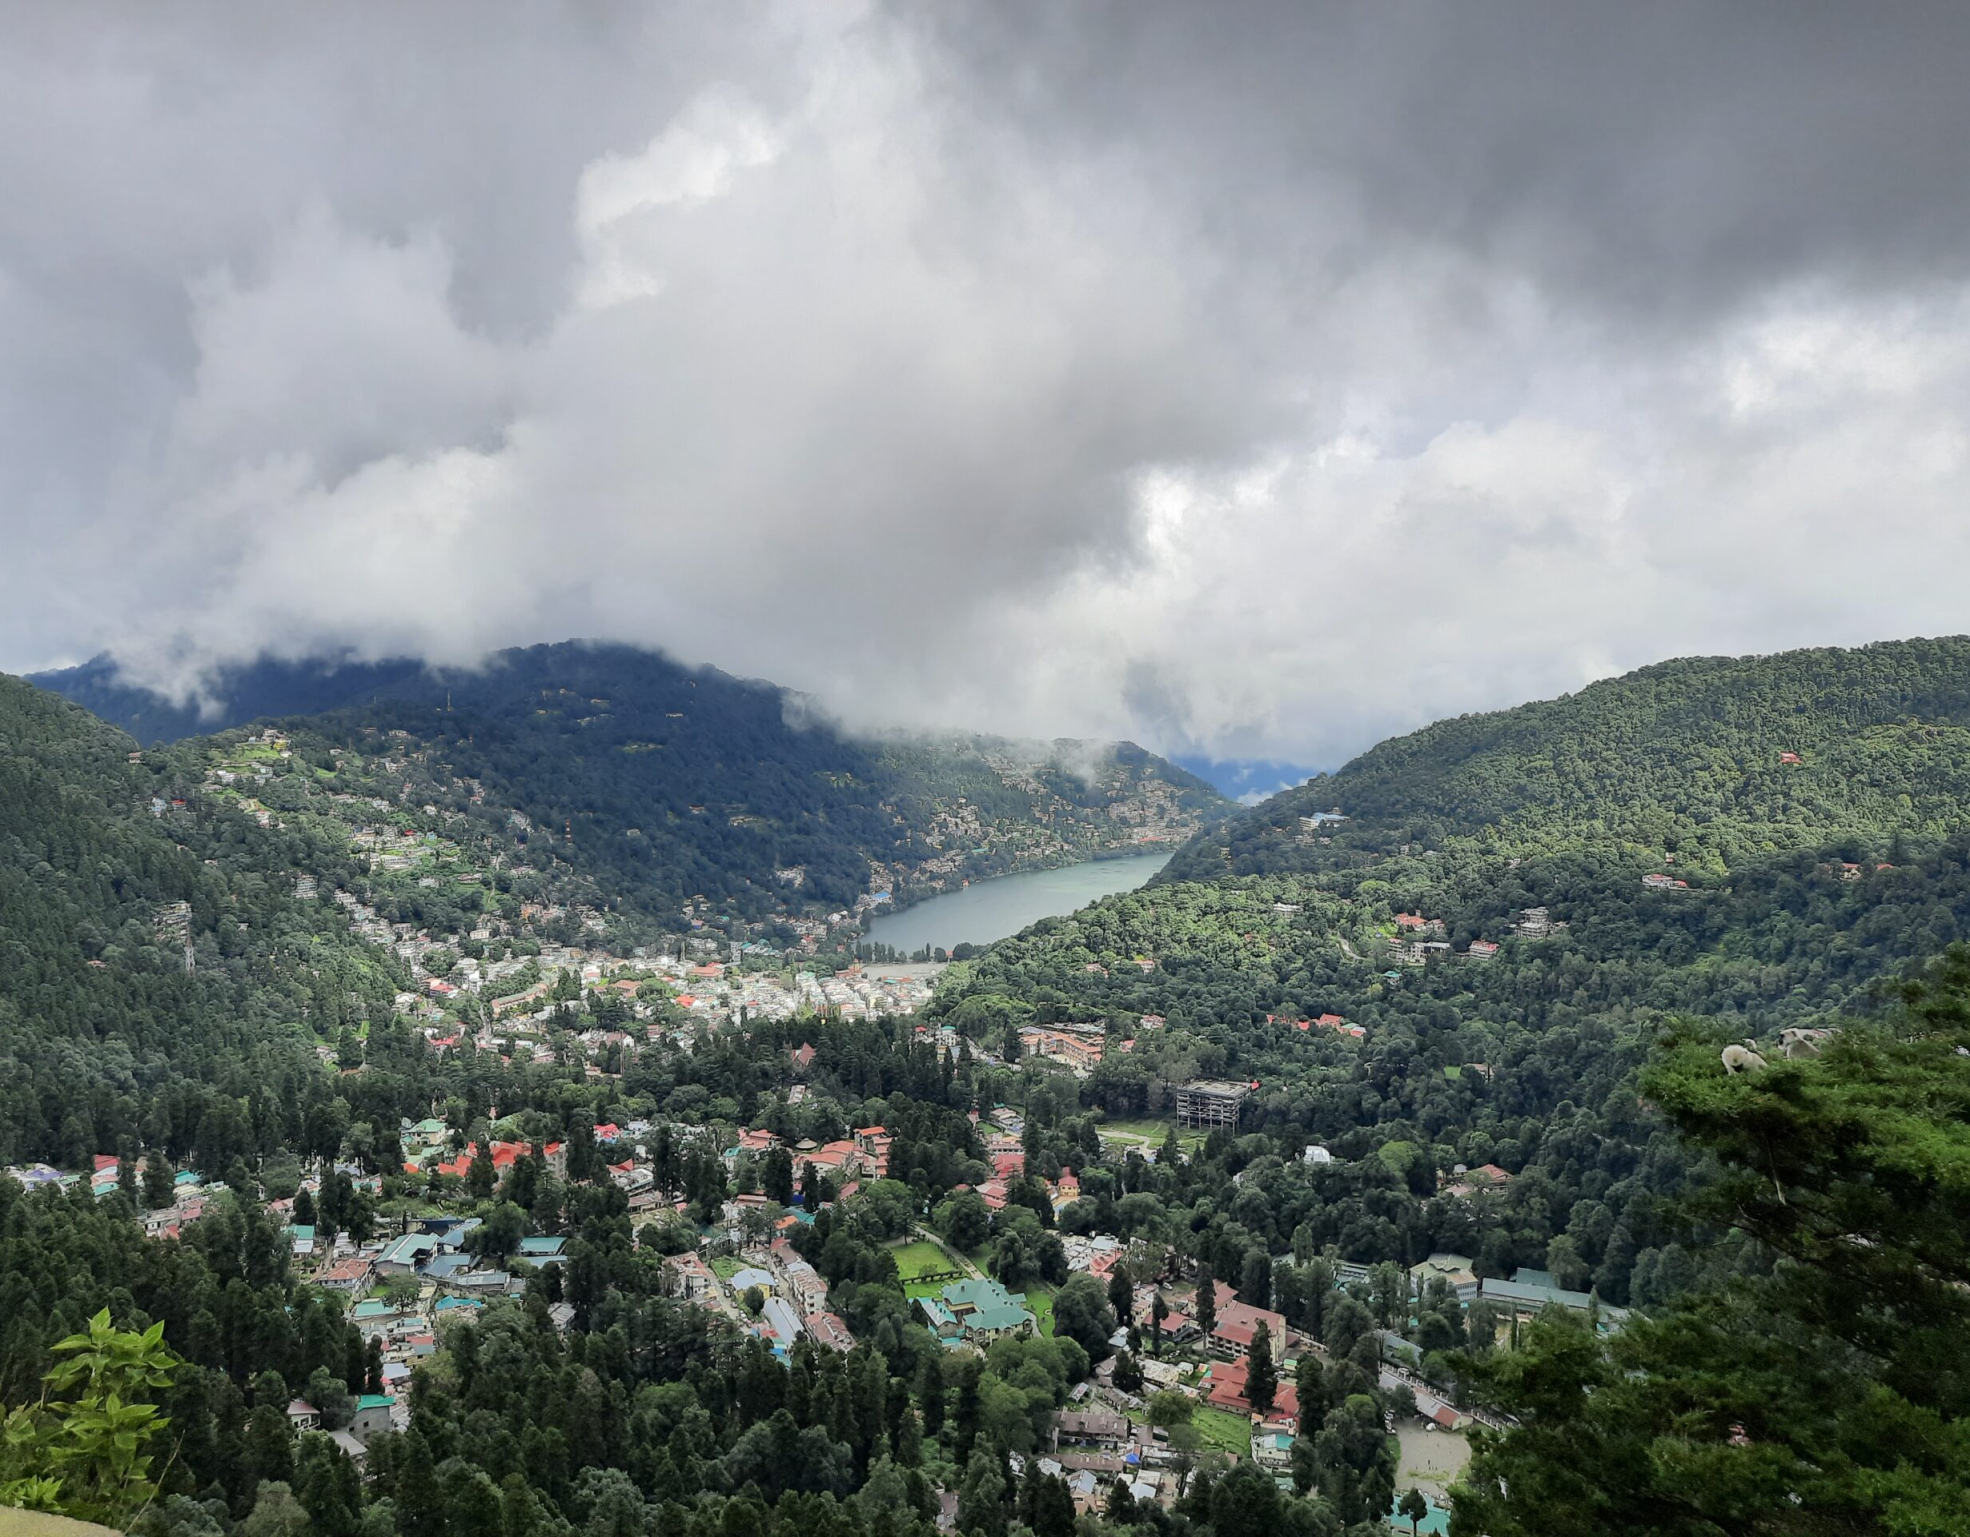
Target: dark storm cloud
(1250,379)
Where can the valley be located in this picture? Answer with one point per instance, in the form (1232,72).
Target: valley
(527,1056)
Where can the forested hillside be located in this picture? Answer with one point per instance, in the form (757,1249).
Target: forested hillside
(106,1038)
(663,782)
(1709,759)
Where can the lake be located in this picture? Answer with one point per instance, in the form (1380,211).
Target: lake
(989,910)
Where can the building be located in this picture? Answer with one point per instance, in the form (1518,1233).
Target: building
(985,1310)
(1453,1268)
(346,1275)
(373,1411)
(826,1329)
(1531,1292)
(808,1290)
(694,1279)
(1238,1322)
(1231,1390)
(1093,1427)
(402,1255)
(1273,1450)
(1210,1102)
(1468,1182)
(1079,1047)
(782,1324)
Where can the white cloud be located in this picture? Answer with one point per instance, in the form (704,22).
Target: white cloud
(1048,382)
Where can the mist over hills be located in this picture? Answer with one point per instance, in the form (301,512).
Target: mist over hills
(667,782)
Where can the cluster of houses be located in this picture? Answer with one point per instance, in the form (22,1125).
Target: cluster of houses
(792,1295)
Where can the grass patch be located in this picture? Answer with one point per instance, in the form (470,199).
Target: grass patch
(726,1266)
(1223,1431)
(1039,1302)
(922,1258)
(1148,1133)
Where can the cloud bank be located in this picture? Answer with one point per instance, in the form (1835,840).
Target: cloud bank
(1252,382)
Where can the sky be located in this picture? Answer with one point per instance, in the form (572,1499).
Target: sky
(1250,380)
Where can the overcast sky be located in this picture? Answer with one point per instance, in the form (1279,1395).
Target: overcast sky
(1249,380)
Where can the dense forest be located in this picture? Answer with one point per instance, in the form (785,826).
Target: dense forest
(664,782)
(1708,760)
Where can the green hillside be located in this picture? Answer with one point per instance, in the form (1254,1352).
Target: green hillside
(1686,758)
(105,1035)
(661,782)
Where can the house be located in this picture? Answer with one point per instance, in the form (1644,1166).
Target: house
(1482,950)
(1238,1322)
(1452,1268)
(346,1275)
(1231,1390)
(373,1411)
(403,1254)
(375,1316)
(986,1310)
(694,1279)
(826,1329)
(1468,1182)
(1093,1427)
(350,1447)
(805,1286)
(1273,1450)
(303,1415)
(1658,882)
(803,1057)
(540,1249)
(1790,757)
(301,1237)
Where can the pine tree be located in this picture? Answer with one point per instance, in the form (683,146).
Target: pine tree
(157,1181)
(1207,1300)
(1262,1376)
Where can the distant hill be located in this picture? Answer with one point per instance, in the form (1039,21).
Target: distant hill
(664,782)
(239,693)
(1714,759)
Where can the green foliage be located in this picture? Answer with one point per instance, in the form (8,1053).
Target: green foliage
(1684,756)
(83,1449)
(1827,1390)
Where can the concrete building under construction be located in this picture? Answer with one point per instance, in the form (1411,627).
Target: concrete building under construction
(1210,1102)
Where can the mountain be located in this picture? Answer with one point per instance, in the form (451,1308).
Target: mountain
(151,956)
(236,694)
(1711,760)
(665,783)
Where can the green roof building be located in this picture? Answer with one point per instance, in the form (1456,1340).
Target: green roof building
(985,1308)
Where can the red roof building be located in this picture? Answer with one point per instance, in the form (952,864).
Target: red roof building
(1231,1390)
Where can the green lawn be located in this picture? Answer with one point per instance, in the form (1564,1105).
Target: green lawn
(1039,1302)
(726,1266)
(922,1258)
(1223,1431)
(1149,1133)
